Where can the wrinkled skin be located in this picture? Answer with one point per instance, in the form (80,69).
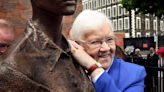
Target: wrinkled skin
(105,52)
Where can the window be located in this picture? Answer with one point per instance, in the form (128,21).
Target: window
(115,25)
(147,34)
(147,14)
(114,9)
(99,10)
(90,5)
(108,2)
(113,1)
(85,5)
(119,0)
(97,3)
(109,12)
(120,24)
(127,35)
(93,4)
(104,11)
(154,24)
(103,2)
(138,23)
(126,23)
(161,26)
(125,11)
(119,9)
(138,34)
(100,3)
(147,24)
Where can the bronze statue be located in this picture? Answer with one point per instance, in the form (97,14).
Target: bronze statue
(40,60)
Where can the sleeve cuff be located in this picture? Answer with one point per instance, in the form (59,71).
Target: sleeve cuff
(96,78)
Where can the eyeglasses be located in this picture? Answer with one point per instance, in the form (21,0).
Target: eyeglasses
(98,43)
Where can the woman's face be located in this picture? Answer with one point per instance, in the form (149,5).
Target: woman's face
(100,44)
(63,7)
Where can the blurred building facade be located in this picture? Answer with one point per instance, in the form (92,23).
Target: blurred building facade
(130,24)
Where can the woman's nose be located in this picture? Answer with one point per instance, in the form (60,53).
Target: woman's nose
(104,46)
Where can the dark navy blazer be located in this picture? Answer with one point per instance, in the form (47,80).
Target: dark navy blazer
(122,77)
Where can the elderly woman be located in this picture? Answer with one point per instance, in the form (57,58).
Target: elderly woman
(95,51)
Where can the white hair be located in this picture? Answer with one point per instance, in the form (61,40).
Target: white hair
(87,21)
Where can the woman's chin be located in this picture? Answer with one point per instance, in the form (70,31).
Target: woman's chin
(104,59)
(105,62)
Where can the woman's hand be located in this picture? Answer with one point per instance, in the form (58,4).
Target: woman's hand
(80,55)
(84,59)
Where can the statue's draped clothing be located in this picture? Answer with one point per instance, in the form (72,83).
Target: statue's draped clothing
(36,64)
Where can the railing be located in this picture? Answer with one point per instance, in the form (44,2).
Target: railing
(155,73)
(154,79)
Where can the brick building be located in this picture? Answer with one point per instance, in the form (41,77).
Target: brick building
(19,11)
(68,20)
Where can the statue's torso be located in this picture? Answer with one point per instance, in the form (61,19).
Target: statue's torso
(41,65)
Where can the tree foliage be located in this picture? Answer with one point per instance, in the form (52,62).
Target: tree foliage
(145,6)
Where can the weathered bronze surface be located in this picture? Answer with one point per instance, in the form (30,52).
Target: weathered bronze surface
(40,60)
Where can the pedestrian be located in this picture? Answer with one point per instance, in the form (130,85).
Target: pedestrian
(137,58)
(152,64)
(152,58)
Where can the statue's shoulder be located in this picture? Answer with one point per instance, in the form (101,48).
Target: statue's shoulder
(15,81)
